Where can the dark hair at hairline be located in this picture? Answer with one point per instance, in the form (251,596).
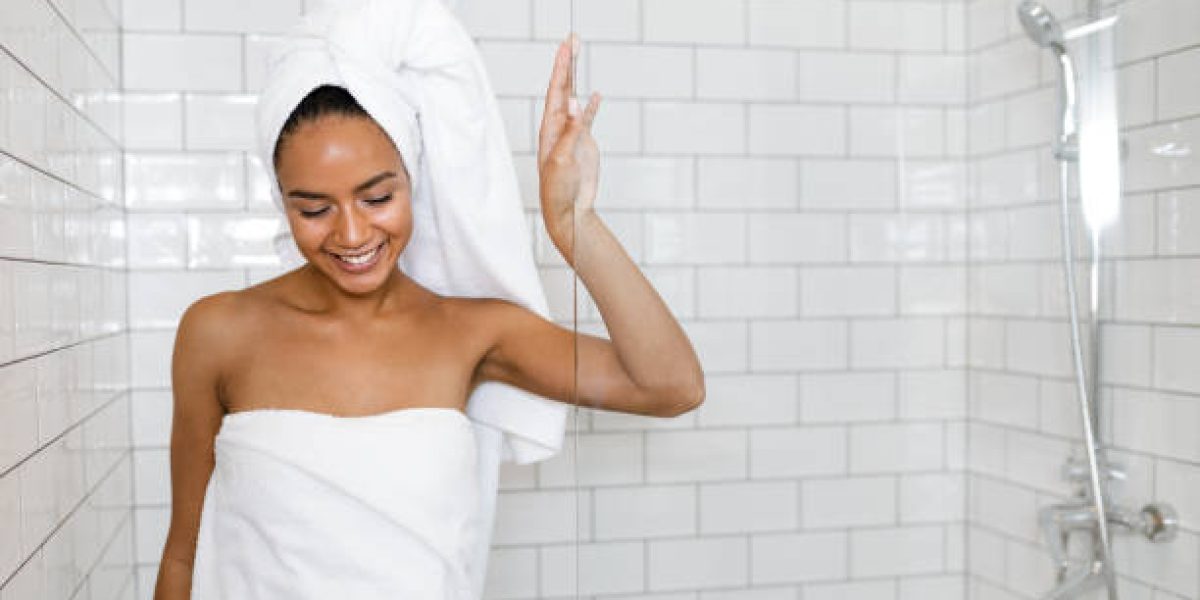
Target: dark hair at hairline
(322,101)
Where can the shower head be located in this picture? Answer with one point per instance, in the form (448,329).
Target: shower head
(1045,31)
(1041,26)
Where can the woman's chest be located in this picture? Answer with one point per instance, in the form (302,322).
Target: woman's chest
(359,373)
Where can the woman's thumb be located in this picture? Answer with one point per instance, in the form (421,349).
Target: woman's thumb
(570,137)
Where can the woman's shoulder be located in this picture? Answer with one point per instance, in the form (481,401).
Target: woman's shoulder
(210,308)
(221,317)
(223,305)
(205,329)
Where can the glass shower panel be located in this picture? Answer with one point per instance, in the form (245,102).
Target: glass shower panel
(790,177)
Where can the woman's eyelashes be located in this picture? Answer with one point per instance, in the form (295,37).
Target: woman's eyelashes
(316,213)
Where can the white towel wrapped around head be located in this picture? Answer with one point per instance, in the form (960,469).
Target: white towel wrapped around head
(417,72)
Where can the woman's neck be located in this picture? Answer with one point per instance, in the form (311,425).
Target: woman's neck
(398,294)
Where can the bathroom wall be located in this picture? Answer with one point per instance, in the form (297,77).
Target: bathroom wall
(790,175)
(66,480)
(1023,413)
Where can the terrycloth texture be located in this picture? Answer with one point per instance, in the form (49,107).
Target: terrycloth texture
(309,506)
(416,70)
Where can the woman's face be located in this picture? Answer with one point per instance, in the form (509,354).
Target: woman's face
(347,199)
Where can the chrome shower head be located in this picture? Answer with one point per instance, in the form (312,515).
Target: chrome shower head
(1041,26)
(1045,31)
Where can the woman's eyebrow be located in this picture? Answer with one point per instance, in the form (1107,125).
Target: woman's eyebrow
(358,188)
(306,194)
(375,180)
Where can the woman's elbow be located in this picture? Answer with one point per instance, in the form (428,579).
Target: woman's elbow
(682,399)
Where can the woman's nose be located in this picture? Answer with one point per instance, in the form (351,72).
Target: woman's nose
(353,228)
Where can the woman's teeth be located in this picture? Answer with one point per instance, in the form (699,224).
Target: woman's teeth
(360,259)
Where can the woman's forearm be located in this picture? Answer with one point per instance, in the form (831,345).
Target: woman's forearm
(174,580)
(648,340)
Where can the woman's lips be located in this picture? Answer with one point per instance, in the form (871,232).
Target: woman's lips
(360,267)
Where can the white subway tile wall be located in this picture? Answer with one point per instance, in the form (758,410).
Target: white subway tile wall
(848,203)
(1023,412)
(66,466)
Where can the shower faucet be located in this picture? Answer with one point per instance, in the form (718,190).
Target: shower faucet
(1158,523)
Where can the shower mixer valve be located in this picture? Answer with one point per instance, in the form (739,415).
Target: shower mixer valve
(1158,523)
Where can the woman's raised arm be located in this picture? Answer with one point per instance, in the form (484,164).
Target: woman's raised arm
(650,364)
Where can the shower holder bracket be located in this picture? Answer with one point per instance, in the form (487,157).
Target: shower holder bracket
(1067,150)
(1076,471)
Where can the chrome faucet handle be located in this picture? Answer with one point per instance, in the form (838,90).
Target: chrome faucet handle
(1158,522)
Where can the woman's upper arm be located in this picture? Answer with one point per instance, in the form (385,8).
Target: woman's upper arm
(196,416)
(533,353)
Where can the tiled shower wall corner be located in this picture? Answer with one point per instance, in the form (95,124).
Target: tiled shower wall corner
(66,479)
(791,177)
(1024,421)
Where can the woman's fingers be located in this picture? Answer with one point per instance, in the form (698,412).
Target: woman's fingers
(589,113)
(554,110)
(556,92)
(553,96)
(565,147)
(576,125)
(568,81)
(558,95)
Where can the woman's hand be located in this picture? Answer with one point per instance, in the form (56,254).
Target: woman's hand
(568,159)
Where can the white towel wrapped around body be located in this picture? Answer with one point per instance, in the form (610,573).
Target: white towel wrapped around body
(309,506)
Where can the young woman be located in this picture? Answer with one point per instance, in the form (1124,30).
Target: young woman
(349,334)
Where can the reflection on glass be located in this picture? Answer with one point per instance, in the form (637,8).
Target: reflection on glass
(1099,149)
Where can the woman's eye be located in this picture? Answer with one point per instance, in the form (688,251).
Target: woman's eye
(314,213)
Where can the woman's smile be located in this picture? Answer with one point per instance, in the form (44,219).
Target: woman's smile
(359,263)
